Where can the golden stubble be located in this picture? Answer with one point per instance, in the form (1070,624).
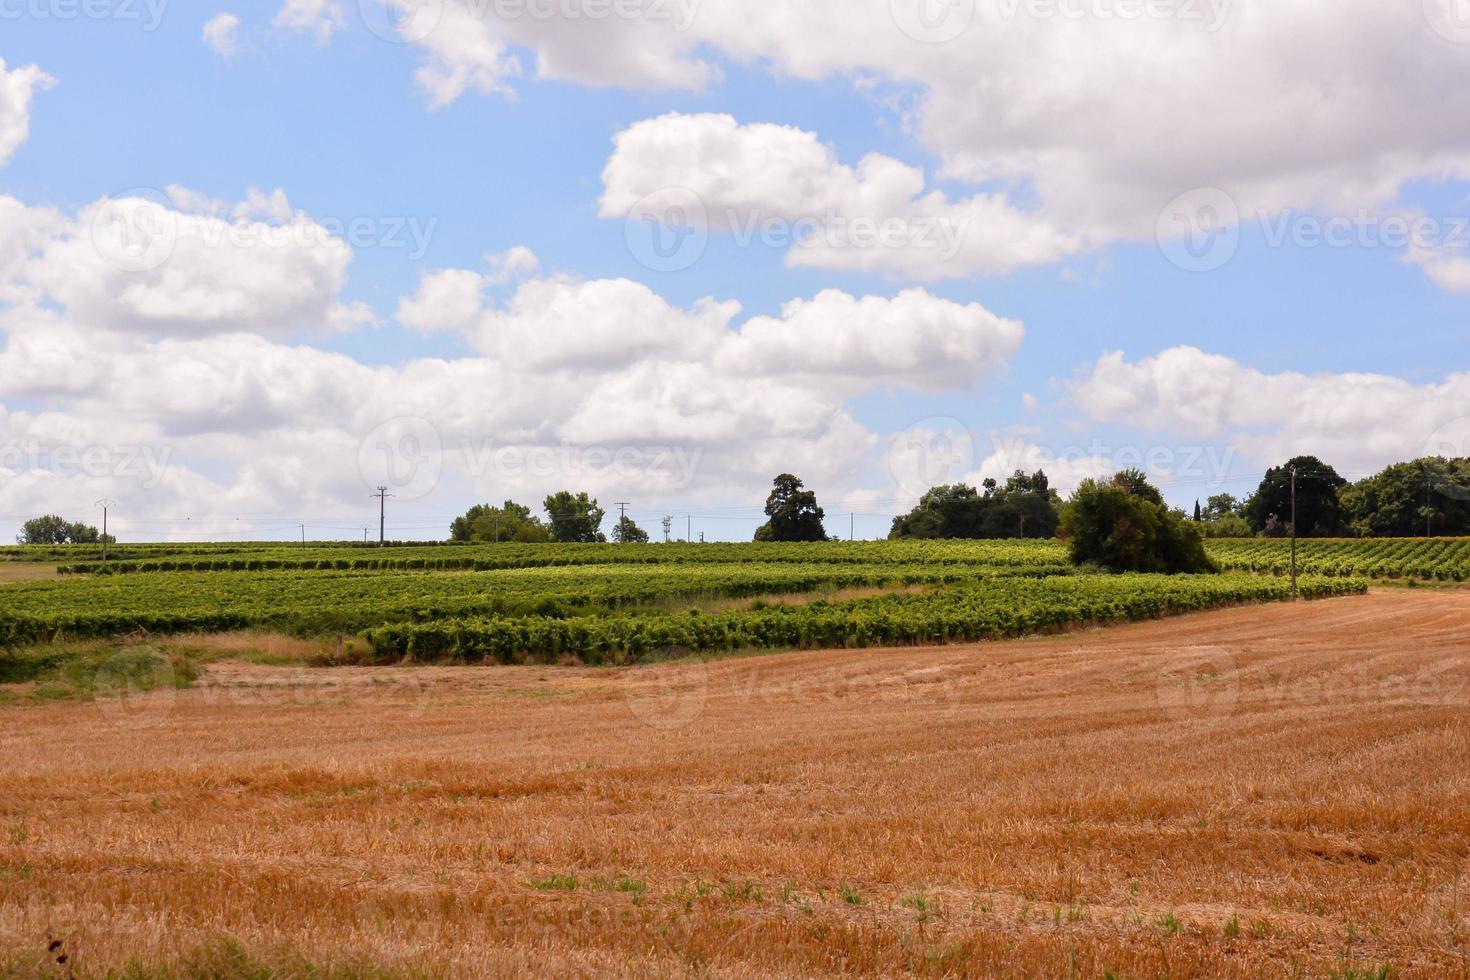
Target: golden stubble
(1244,792)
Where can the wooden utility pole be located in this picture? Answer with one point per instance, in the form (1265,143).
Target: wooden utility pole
(1428,504)
(1293,533)
(105,503)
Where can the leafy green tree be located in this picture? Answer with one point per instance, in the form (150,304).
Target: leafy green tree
(509,522)
(1124,526)
(574,517)
(53,529)
(1025,507)
(1028,503)
(1135,481)
(626,532)
(1223,505)
(1319,511)
(793,512)
(1430,495)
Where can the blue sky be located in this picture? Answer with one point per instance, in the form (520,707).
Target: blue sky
(1355,353)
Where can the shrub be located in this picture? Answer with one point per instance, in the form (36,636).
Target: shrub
(1119,526)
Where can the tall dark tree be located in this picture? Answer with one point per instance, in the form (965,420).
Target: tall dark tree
(574,517)
(626,532)
(1028,503)
(1199,514)
(1319,511)
(793,512)
(1025,507)
(956,511)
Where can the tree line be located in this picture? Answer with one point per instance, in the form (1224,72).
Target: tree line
(571,518)
(1428,496)
(54,529)
(1425,497)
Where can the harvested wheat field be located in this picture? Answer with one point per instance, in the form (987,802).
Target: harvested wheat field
(1268,790)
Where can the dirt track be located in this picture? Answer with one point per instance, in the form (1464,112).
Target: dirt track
(1227,793)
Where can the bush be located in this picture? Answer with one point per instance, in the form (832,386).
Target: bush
(1119,526)
(1228,526)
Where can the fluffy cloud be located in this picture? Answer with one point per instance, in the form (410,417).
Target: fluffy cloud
(914,340)
(1109,117)
(319,17)
(153,266)
(1360,421)
(875,217)
(190,408)
(16,88)
(469,45)
(1448,268)
(833,342)
(452,299)
(24,231)
(219,34)
(1100,113)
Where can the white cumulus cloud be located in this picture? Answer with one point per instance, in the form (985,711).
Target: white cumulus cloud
(146,264)
(1094,116)
(319,17)
(1359,421)
(764,182)
(220,34)
(17,86)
